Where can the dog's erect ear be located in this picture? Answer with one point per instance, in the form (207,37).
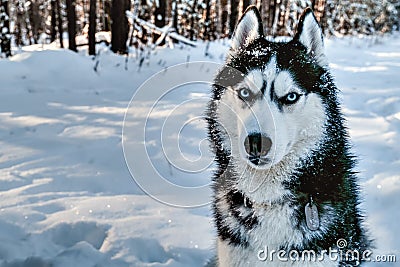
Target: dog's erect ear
(309,33)
(248,29)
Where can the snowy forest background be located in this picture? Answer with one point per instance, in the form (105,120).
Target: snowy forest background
(68,71)
(26,22)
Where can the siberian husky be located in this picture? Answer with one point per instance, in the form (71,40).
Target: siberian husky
(285,193)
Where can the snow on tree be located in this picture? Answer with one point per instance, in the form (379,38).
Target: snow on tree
(38,21)
(361,17)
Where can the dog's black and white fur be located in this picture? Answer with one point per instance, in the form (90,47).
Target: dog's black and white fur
(285,178)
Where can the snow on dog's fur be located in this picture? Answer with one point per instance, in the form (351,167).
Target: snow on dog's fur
(284,179)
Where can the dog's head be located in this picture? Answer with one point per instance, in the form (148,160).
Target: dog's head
(271,103)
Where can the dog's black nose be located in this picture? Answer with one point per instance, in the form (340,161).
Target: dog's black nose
(257,145)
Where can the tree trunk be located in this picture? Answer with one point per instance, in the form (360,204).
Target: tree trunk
(34,21)
(60,24)
(224,17)
(273,9)
(119,26)
(107,11)
(192,16)
(159,18)
(18,29)
(53,26)
(207,31)
(5,35)
(264,11)
(160,13)
(245,4)
(175,15)
(104,13)
(283,6)
(234,16)
(144,15)
(92,28)
(269,15)
(71,17)
(288,31)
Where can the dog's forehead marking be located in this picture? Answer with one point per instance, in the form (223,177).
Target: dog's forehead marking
(271,69)
(256,78)
(280,81)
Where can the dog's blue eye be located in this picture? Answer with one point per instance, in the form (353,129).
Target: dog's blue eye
(291,98)
(244,93)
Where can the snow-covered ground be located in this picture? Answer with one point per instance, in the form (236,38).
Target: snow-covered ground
(67,197)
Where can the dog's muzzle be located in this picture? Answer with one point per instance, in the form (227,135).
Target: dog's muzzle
(257,146)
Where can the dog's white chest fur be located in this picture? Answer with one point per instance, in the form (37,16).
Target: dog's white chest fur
(276,227)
